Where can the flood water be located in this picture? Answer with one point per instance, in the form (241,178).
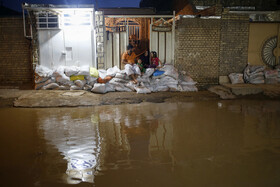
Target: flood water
(207,143)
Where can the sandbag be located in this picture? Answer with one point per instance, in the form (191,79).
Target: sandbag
(50,86)
(187,88)
(77,77)
(149,72)
(84,70)
(40,85)
(112,71)
(99,88)
(110,87)
(43,71)
(71,70)
(271,73)
(171,71)
(80,83)
(75,87)
(142,90)
(87,87)
(102,73)
(236,78)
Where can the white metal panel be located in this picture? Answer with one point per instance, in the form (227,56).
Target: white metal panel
(154,41)
(51,46)
(161,50)
(109,48)
(169,47)
(116,49)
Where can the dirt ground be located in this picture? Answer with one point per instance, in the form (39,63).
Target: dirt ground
(67,98)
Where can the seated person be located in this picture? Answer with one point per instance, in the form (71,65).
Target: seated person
(131,69)
(155,61)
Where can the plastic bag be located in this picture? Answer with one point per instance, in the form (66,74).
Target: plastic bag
(93,72)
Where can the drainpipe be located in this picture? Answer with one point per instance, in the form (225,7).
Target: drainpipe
(24,26)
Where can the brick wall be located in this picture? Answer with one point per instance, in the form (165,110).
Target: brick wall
(197,47)
(209,48)
(234,43)
(15,63)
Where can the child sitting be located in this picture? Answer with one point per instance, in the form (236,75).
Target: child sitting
(141,66)
(155,62)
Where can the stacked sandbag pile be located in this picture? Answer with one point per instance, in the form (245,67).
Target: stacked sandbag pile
(164,79)
(254,74)
(64,78)
(112,80)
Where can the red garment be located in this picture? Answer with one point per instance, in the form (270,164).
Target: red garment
(155,61)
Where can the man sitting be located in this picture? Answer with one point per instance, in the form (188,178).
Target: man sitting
(131,69)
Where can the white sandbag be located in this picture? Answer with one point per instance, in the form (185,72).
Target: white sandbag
(256,69)
(71,70)
(63,87)
(167,80)
(102,73)
(80,83)
(59,72)
(271,73)
(62,79)
(259,75)
(84,70)
(112,71)
(117,81)
(186,83)
(236,78)
(50,86)
(142,90)
(99,88)
(40,85)
(43,71)
(149,72)
(187,88)
(122,88)
(110,87)
(143,79)
(39,79)
(75,87)
(170,70)
(91,80)
(173,87)
(159,88)
(130,85)
(87,87)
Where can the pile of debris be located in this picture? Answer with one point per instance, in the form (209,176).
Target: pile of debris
(112,79)
(256,75)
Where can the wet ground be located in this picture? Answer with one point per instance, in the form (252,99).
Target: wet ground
(192,142)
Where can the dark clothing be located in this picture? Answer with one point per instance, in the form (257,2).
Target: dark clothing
(145,60)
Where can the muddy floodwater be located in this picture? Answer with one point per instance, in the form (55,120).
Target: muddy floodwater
(205,143)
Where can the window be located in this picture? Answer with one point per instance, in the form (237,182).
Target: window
(47,20)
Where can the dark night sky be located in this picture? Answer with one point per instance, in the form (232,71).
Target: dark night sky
(16,4)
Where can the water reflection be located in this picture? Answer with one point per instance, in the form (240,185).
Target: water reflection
(76,138)
(184,142)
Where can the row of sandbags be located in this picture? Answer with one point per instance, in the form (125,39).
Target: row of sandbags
(112,79)
(256,75)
